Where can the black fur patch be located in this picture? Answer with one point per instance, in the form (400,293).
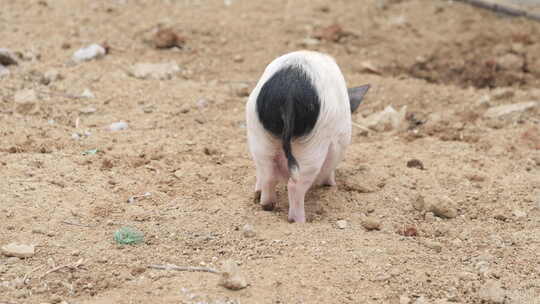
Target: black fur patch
(288,96)
(288,106)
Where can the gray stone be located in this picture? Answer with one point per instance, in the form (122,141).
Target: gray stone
(18,250)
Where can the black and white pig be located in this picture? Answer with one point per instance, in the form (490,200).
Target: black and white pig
(299,125)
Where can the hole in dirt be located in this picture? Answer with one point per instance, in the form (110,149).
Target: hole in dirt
(483,62)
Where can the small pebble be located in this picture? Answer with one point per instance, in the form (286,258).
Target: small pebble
(248,231)
(87,94)
(403,299)
(241,90)
(433,245)
(342,224)
(519,214)
(371,223)
(50,76)
(238,58)
(90,52)
(7,57)
(202,103)
(18,250)
(167,38)
(415,163)
(231,277)
(442,207)
(4,72)
(118,126)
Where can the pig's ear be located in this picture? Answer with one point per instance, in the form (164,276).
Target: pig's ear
(356,95)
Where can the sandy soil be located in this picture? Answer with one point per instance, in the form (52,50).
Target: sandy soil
(447,62)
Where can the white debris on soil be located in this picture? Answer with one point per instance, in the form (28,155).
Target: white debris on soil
(231,277)
(90,52)
(248,231)
(18,250)
(509,109)
(118,126)
(87,94)
(160,71)
(388,119)
(342,224)
(50,76)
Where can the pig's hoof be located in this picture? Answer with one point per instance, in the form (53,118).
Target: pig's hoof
(257,197)
(268,206)
(299,220)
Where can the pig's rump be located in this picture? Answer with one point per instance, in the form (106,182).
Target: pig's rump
(299,125)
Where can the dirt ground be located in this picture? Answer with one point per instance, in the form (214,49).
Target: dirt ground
(447,62)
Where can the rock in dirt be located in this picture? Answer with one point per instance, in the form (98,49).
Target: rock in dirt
(433,245)
(492,292)
(307,42)
(18,250)
(403,299)
(50,76)
(371,223)
(26,102)
(500,111)
(231,277)
(342,224)
(160,71)
(90,52)
(332,33)
(511,62)
(118,126)
(421,300)
(248,231)
(4,72)
(167,38)
(441,206)
(241,90)
(369,67)
(7,57)
(415,163)
(87,93)
(388,119)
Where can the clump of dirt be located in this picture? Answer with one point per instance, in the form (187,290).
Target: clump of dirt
(483,61)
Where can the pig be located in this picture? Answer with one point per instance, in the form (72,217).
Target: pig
(298,121)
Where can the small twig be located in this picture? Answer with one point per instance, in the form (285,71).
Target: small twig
(360,127)
(72,265)
(499,8)
(78,224)
(61,94)
(184,268)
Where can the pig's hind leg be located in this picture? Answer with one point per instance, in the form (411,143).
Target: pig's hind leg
(267,179)
(297,189)
(327,175)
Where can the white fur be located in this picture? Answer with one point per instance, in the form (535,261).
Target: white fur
(317,153)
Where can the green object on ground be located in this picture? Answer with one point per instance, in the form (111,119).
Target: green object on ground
(128,236)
